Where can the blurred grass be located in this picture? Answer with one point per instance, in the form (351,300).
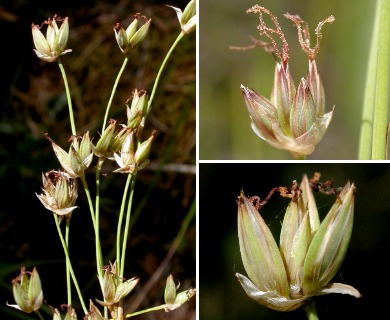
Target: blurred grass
(33,102)
(224,122)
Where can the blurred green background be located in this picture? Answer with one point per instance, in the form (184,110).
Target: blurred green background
(33,102)
(224,122)
(365,266)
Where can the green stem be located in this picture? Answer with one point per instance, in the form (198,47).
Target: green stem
(71,117)
(179,37)
(113,92)
(69,263)
(120,220)
(311,311)
(366,129)
(382,84)
(99,258)
(145,311)
(127,226)
(39,314)
(68,284)
(91,209)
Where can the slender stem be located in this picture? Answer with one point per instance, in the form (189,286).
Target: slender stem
(39,314)
(69,263)
(99,258)
(113,92)
(68,285)
(71,117)
(382,84)
(145,311)
(91,209)
(179,37)
(311,311)
(365,142)
(127,226)
(120,220)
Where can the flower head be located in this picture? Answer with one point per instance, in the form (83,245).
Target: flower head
(59,193)
(131,37)
(79,157)
(174,300)
(310,252)
(187,18)
(133,158)
(54,45)
(293,118)
(27,291)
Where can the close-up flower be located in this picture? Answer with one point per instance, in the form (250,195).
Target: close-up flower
(51,47)
(133,35)
(59,193)
(309,255)
(27,291)
(187,18)
(292,119)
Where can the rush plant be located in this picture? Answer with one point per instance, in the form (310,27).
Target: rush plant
(126,150)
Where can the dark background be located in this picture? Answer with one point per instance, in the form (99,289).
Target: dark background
(33,102)
(365,266)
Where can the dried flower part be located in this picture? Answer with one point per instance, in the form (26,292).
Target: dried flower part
(94,312)
(59,193)
(187,18)
(79,157)
(131,37)
(310,253)
(52,46)
(293,119)
(27,290)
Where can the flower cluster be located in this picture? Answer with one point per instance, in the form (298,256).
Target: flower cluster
(293,118)
(310,253)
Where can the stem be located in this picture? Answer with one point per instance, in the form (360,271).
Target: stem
(144,311)
(99,258)
(91,209)
(113,92)
(120,220)
(382,84)
(71,117)
(179,37)
(69,264)
(127,228)
(39,314)
(311,311)
(365,143)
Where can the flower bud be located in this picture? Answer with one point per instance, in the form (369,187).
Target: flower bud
(142,153)
(131,37)
(111,140)
(187,18)
(137,110)
(53,46)
(27,291)
(170,291)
